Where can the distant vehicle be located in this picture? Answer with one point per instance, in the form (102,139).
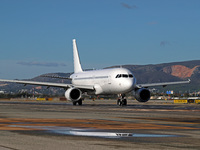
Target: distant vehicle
(106,81)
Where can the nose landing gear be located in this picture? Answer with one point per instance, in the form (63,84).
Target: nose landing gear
(122,100)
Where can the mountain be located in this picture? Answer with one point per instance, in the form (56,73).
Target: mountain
(167,72)
(152,73)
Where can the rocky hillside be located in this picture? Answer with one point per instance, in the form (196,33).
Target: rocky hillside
(167,72)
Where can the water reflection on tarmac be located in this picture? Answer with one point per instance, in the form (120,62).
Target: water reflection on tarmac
(90,132)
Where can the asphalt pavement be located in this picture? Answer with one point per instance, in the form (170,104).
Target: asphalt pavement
(99,125)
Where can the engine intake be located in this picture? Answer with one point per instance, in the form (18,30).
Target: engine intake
(73,94)
(142,95)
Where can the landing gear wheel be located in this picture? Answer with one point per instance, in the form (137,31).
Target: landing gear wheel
(119,103)
(74,103)
(80,101)
(124,102)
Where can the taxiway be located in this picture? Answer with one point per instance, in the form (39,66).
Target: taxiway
(98,125)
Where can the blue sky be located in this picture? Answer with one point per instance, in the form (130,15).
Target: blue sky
(36,35)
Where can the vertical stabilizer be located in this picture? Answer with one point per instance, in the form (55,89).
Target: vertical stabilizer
(77,64)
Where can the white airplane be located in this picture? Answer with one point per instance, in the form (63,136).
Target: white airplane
(106,81)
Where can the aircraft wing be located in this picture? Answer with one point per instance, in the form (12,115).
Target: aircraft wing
(38,83)
(49,84)
(162,84)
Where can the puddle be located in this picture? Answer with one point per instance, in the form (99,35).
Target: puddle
(110,134)
(94,134)
(91,132)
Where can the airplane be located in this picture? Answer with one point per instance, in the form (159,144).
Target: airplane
(118,81)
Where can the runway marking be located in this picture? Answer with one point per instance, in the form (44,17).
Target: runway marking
(5,124)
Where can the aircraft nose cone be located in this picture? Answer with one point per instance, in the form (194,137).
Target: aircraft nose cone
(128,85)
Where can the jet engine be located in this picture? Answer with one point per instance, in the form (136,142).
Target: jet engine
(142,95)
(73,94)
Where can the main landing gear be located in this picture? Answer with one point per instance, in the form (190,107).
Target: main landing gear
(122,100)
(79,102)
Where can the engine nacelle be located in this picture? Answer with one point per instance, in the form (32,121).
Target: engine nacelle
(73,94)
(142,95)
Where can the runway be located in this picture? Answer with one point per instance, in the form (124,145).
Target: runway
(99,124)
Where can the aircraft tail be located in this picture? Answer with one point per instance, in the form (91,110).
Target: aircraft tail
(77,64)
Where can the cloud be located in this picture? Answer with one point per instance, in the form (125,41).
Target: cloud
(41,64)
(164,43)
(129,6)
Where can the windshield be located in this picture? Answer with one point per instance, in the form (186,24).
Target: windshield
(124,76)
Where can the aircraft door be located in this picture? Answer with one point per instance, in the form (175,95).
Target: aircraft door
(109,79)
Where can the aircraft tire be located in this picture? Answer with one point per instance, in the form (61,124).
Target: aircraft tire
(80,102)
(119,102)
(124,102)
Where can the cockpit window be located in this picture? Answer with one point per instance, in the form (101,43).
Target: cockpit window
(124,76)
(130,76)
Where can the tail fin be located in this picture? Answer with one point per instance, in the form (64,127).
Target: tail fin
(77,64)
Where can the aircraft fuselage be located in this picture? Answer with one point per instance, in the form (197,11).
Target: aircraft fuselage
(106,81)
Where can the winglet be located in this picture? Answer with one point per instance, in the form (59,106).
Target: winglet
(77,64)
